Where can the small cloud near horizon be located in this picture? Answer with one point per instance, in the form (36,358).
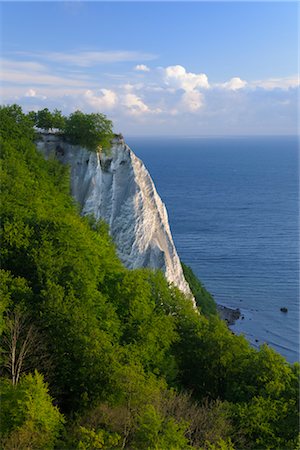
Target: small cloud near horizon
(141,68)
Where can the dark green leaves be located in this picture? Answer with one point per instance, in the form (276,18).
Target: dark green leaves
(14,124)
(93,131)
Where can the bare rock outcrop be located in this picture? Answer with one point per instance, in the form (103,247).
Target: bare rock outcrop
(118,188)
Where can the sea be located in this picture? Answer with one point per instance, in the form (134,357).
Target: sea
(233,207)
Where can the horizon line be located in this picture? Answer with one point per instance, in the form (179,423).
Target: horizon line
(210,135)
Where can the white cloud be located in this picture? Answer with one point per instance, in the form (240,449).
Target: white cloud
(277,83)
(192,101)
(30,72)
(129,87)
(234,84)
(30,93)
(268,84)
(7,64)
(38,78)
(92,58)
(105,99)
(177,77)
(142,68)
(170,96)
(135,104)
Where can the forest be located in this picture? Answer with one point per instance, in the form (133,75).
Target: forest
(96,356)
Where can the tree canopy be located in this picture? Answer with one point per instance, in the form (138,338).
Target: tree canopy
(91,130)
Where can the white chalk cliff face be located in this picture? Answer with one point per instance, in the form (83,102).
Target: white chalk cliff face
(118,188)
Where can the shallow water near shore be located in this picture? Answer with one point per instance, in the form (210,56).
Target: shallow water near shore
(233,211)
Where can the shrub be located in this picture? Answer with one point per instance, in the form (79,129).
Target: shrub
(28,418)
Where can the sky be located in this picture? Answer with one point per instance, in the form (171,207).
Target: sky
(156,68)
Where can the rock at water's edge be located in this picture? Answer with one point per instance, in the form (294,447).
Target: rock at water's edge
(228,314)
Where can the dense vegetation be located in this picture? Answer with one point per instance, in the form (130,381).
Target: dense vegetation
(94,130)
(204,299)
(97,356)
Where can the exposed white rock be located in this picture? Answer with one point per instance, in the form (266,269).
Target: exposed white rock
(118,188)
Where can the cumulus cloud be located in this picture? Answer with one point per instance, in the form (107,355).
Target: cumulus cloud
(135,104)
(192,101)
(178,78)
(234,84)
(142,68)
(32,93)
(105,98)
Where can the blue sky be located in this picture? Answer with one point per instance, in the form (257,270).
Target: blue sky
(200,68)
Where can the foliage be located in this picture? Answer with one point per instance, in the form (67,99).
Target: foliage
(220,445)
(261,420)
(149,415)
(94,130)
(132,364)
(89,438)
(154,432)
(28,418)
(203,298)
(14,124)
(45,119)
(12,291)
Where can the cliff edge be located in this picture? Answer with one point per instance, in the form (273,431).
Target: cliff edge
(117,187)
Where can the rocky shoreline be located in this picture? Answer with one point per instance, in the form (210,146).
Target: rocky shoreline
(230,315)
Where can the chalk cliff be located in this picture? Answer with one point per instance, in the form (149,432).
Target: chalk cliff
(118,188)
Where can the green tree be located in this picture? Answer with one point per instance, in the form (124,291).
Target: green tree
(220,445)
(154,432)
(91,439)
(58,121)
(90,130)
(14,124)
(27,416)
(45,119)
(13,291)
(262,421)
(147,331)
(32,115)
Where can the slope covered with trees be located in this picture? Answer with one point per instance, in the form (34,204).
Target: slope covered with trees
(97,356)
(203,298)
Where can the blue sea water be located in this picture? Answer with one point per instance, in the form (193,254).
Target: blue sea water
(233,210)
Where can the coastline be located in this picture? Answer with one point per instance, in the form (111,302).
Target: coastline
(229,315)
